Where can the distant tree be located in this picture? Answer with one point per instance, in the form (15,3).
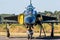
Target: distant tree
(57,14)
(42,13)
(48,13)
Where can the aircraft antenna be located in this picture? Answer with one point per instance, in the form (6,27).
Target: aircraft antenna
(30,2)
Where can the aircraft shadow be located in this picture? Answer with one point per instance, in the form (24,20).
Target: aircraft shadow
(47,37)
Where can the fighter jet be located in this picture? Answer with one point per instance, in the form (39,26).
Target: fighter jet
(29,16)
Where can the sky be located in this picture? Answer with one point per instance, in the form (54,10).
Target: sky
(18,6)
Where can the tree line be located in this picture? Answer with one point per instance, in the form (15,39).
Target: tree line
(52,14)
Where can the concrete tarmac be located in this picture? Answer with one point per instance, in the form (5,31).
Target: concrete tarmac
(18,38)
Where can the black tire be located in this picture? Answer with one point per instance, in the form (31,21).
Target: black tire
(28,36)
(8,34)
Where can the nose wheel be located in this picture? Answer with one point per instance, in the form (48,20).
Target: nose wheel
(29,36)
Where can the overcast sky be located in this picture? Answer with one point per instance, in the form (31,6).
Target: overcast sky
(18,6)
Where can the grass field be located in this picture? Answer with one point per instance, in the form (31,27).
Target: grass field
(17,28)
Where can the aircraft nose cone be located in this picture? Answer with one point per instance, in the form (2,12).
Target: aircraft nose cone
(30,19)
